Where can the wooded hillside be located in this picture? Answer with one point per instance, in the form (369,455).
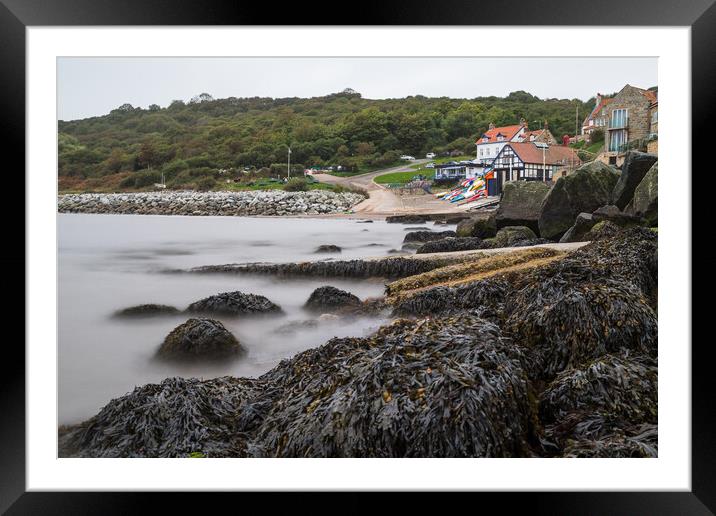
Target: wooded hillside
(206,137)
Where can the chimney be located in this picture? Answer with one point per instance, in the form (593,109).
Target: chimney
(523,122)
(546,125)
(491,126)
(599,99)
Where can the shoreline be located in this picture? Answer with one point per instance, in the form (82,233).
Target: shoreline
(503,322)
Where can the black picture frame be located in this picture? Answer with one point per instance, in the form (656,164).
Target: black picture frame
(16,15)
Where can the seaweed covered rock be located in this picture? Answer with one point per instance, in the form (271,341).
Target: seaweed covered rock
(602,230)
(480,266)
(329,298)
(511,236)
(435,388)
(427,236)
(640,441)
(327,248)
(613,392)
(636,165)
(147,310)
(481,225)
(389,267)
(630,256)
(234,303)
(200,339)
(487,295)
(588,188)
(521,203)
(646,197)
(565,323)
(171,419)
(448,245)
(582,224)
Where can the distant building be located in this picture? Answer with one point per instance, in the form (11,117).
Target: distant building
(531,161)
(598,118)
(539,135)
(458,170)
(494,139)
(629,125)
(653,143)
(491,142)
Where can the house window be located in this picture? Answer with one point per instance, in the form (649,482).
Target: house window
(619,118)
(617,139)
(654,116)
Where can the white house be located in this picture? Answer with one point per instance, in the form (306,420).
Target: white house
(491,143)
(459,170)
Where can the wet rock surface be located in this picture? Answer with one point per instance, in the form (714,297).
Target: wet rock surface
(446,245)
(427,236)
(588,188)
(391,267)
(646,197)
(512,236)
(602,230)
(328,298)
(146,310)
(582,224)
(636,165)
(482,226)
(327,248)
(200,339)
(521,204)
(614,215)
(234,303)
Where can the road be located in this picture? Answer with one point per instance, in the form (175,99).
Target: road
(382,201)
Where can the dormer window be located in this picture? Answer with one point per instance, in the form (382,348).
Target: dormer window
(485,139)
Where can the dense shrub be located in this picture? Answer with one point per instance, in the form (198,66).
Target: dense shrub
(296,185)
(205,184)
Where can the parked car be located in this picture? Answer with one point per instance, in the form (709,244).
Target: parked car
(405,157)
(430,165)
(430,155)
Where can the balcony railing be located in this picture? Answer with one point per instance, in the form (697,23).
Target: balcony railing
(619,123)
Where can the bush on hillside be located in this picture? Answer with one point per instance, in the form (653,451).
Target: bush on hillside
(205,184)
(296,185)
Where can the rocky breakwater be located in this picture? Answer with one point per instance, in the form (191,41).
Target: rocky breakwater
(266,203)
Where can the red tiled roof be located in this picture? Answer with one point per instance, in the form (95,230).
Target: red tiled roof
(596,110)
(508,132)
(536,133)
(529,153)
(650,95)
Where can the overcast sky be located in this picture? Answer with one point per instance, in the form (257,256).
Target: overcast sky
(89,86)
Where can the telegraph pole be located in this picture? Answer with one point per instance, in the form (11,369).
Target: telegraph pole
(289,163)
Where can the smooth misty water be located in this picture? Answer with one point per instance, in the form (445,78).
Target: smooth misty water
(108,262)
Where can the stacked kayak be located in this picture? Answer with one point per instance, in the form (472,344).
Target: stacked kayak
(468,190)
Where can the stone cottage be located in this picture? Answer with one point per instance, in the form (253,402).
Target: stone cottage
(629,123)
